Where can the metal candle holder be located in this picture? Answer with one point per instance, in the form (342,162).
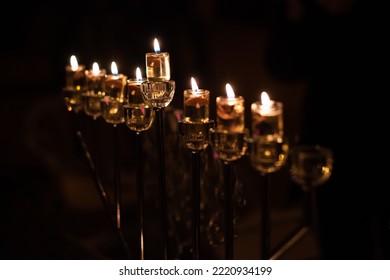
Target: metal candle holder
(113,113)
(268,154)
(196,138)
(230,147)
(95,90)
(139,117)
(159,94)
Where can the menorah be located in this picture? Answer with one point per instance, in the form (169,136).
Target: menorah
(140,103)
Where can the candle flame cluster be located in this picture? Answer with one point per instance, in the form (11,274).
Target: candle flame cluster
(230,108)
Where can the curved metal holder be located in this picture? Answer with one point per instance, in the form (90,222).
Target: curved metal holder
(230,147)
(113,113)
(196,137)
(268,154)
(159,94)
(139,117)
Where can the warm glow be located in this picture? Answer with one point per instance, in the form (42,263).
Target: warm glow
(95,69)
(229,91)
(73,63)
(265,99)
(138,74)
(194,85)
(156,46)
(114,68)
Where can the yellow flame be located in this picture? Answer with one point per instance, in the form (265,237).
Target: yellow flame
(194,85)
(73,63)
(95,69)
(265,99)
(229,91)
(114,68)
(156,46)
(138,74)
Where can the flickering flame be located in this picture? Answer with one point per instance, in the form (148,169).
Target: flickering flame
(95,69)
(138,74)
(194,85)
(156,46)
(114,68)
(266,103)
(265,99)
(73,63)
(229,91)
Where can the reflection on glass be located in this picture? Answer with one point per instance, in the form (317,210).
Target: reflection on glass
(112,110)
(269,153)
(138,117)
(196,106)
(92,104)
(311,165)
(72,99)
(195,136)
(230,114)
(229,146)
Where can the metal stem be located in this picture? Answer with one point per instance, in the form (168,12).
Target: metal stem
(228,212)
(140,192)
(117,179)
(265,219)
(196,204)
(161,179)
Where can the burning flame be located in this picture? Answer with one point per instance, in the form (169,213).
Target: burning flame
(138,74)
(265,99)
(156,46)
(73,63)
(229,91)
(95,69)
(114,68)
(194,85)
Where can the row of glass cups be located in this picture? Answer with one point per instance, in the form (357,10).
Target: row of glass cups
(120,100)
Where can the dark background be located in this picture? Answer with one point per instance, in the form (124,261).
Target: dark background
(314,56)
